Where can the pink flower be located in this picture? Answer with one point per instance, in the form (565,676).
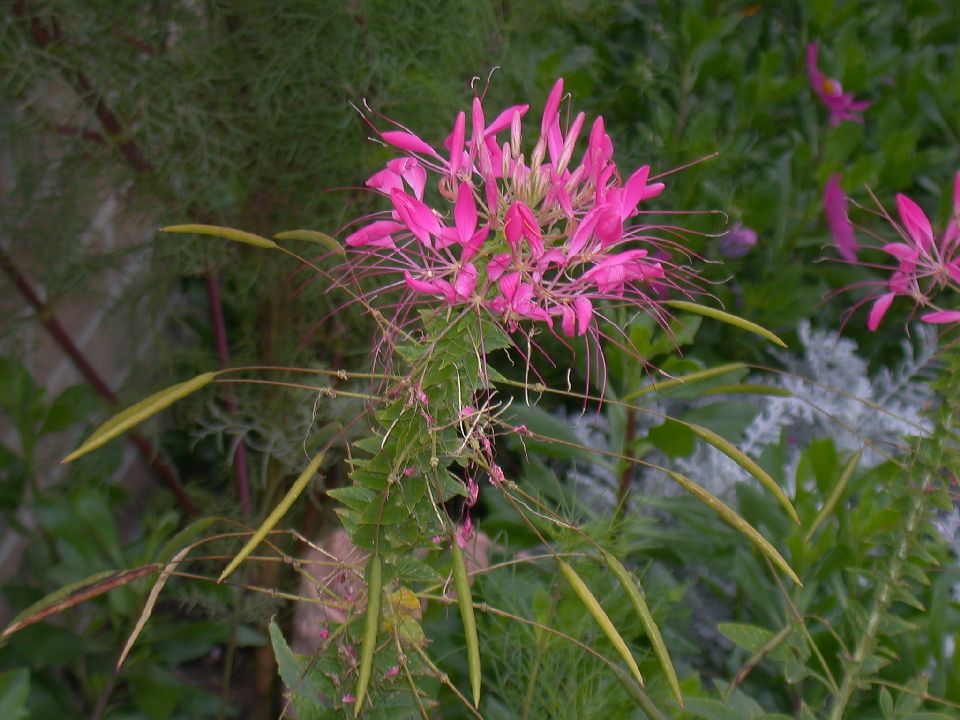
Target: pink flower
(522,238)
(841,105)
(841,229)
(738,241)
(925,265)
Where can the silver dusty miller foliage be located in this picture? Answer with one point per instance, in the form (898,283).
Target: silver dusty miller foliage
(831,394)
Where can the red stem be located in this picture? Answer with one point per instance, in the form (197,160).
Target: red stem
(66,344)
(223,354)
(626,475)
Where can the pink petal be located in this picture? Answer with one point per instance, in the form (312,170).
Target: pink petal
(551,113)
(456,143)
(813,72)
(465,281)
(879,309)
(385,181)
(584,232)
(376,234)
(835,208)
(609,226)
(942,316)
(473,245)
(417,216)
(953,270)
(636,191)
(407,141)
(412,171)
(568,322)
(498,265)
(504,119)
(465,212)
(916,222)
(508,285)
(584,309)
(902,252)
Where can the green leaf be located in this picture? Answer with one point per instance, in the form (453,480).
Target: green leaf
(222,232)
(304,691)
(748,637)
(14,691)
(136,414)
(74,405)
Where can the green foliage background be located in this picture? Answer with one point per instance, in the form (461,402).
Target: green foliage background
(240,115)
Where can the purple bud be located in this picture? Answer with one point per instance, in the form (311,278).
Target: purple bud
(738,241)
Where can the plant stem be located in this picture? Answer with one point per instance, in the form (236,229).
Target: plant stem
(851,676)
(219,326)
(88,372)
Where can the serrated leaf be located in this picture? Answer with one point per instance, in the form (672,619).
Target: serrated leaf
(306,695)
(355,497)
(411,569)
(136,414)
(748,637)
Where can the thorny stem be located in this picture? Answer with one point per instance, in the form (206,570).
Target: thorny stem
(851,676)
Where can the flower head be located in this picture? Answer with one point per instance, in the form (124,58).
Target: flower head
(523,238)
(926,265)
(841,105)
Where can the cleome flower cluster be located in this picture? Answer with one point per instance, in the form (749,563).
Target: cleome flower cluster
(540,238)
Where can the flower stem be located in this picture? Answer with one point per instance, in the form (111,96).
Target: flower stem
(851,676)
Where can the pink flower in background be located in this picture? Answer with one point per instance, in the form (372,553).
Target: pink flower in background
(738,241)
(925,265)
(841,105)
(841,229)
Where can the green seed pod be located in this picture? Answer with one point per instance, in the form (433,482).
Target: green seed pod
(603,620)
(465,600)
(370,626)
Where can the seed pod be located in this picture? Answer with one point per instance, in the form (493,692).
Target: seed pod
(635,594)
(603,620)
(370,625)
(465,600)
